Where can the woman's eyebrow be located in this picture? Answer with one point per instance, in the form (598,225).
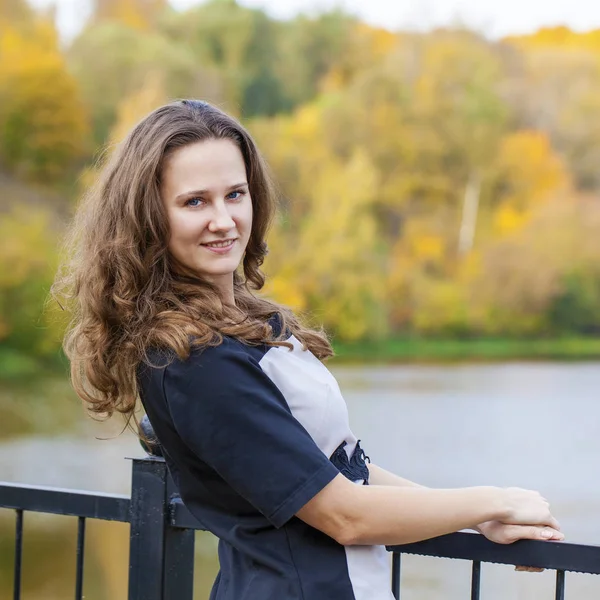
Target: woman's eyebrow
(200,192)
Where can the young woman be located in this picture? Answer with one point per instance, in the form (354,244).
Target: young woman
(165,265)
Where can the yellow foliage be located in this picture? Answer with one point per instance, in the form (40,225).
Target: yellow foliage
(281,287)
(43,123)
(439,306)
(133,13)
(531,172)
(26,246)
(137,105)
(380,42)
(429,247)
(508,219)
(558,37)
(372,171)
(322,257)
(28,260)
(531,163)
(368,46)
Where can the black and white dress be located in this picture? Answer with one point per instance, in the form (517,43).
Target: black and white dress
(250,434)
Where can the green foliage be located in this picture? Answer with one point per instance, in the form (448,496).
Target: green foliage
(28,259)
(466,349)
(576,309)
(112,60)
(309,49)
(242,44)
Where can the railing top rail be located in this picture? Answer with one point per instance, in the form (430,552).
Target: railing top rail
(60,501)
(472,546)
(559,556)
(469,546)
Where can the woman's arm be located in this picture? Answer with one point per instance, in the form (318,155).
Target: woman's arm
(390,514)
(493,530)
(379,476)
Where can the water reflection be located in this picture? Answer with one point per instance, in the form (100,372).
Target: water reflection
(516,424)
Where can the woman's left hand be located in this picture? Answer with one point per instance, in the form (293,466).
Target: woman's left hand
(502,533)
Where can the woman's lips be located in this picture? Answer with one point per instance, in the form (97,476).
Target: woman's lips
(220,249)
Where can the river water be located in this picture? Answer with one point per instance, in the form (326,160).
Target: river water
(532,425)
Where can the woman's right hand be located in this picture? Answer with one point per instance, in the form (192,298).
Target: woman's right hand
(526,507)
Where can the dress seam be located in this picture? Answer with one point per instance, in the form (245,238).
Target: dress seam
(300,587)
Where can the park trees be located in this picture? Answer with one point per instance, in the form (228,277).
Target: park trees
(44,127)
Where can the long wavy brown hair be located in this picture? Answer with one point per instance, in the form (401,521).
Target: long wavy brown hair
(125,291)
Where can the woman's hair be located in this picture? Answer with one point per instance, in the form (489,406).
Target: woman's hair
(126,292)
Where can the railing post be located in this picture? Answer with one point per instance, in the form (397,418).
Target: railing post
(179,557)
(161,558)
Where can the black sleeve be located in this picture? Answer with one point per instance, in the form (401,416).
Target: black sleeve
(235,419)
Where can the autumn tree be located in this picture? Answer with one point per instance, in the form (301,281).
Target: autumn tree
(139,14)
(44,126)
(553,87)
(324,258)
(111,60)
(28,259)
(243,44)
(15,11)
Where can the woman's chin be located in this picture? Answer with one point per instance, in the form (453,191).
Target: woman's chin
(221,272)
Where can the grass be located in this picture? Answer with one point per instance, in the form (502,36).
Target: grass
(481,349)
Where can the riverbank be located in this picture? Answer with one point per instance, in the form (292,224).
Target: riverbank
(20,368)
(450,350)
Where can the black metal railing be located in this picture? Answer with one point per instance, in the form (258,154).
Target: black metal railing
(161,555)
(83,505)
(557,556)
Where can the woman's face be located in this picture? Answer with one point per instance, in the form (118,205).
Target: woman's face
(205,191)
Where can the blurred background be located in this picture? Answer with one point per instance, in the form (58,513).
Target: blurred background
(438,164)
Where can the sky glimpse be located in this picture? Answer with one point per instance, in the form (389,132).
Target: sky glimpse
(495,19)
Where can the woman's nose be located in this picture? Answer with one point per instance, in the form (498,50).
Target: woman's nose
(221,220)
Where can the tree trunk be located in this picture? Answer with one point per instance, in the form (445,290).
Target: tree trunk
(469,213)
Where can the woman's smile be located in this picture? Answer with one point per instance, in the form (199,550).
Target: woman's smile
(220,247)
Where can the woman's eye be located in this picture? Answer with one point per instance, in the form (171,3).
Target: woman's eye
(193,202)
(238,197)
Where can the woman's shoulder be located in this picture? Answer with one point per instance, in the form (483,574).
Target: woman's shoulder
(226,349)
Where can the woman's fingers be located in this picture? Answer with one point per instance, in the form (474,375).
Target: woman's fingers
(552,534)
(538,533)
(507,533)
(534,532)
(554,524)
(529,569)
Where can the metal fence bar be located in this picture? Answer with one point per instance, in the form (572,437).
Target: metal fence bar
(476,580)
(161,558)
(396,566)
(95,505)
(147,535)
(18,555)
(79,561)
(546,555)
(179,557)
(162,538)
(560,585)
